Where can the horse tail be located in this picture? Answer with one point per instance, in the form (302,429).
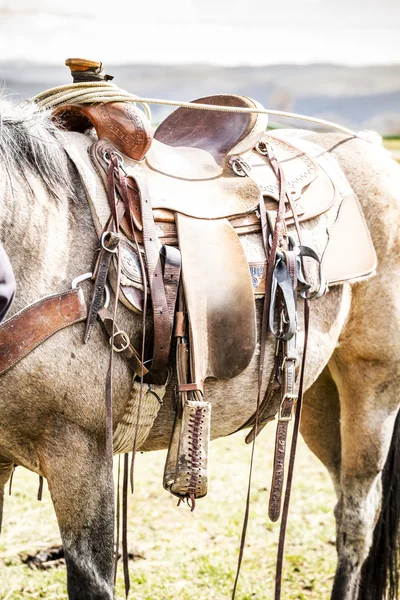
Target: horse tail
(379,578)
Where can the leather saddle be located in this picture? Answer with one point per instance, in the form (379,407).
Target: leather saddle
(205,175)
(191,163)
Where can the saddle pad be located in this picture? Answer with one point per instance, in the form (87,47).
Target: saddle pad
(356,259)
(299,168)
(219,297)
(340,235)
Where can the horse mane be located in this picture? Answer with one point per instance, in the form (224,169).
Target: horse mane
(29,142)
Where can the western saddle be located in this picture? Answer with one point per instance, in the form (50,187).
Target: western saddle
(182,197)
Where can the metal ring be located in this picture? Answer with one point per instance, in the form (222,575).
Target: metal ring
(86,276)
(106,157)
(125,338)
(240,166)
(107,297)
(79,279)
(115,251)
(261,148)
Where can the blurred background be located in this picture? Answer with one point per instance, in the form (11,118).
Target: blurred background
(327,58)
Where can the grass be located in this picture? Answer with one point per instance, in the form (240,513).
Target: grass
(186,555)
(392,143)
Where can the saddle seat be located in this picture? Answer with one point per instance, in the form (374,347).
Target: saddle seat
(195,144)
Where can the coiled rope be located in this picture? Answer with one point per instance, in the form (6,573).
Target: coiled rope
(94,92)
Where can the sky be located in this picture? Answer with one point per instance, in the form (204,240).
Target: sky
(228,32)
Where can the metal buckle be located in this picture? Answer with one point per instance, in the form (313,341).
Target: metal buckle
(125,338)
(290,417)
(239,166)
(103,237)
(84,277)
(286,358)
(107,160)
(79,279)
(261,148)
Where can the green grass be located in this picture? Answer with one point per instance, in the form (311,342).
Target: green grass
(392,143)
(187,555)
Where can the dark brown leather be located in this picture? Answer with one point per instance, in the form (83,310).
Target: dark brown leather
(161,314)
(218,133)
(34,324)
(110,245)
(126,126)
(161,310)
(129,353)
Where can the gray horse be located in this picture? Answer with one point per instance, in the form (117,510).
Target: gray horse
(52,402)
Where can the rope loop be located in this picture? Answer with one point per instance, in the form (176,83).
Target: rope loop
(94,92)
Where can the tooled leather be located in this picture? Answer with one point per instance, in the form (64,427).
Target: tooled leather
(275,498)
(123,124)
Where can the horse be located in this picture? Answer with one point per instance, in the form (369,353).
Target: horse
(52,402)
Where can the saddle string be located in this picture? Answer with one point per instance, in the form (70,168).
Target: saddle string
(102,92)
(115,173)
(125,557)
(125,198)
(113,168)
(11,480)
(117,519)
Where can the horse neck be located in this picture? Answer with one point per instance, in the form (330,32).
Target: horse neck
(49,240)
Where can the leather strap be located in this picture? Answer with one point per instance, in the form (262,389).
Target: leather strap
(35,323)
(191,387)
(122,343)
(172,271)
(270,253)
(109,241)
(161,312)
(292,458)
(296,429)
(284,417)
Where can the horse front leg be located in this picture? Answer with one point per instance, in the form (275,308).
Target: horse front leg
(6,468)
(368,392)
(81,486)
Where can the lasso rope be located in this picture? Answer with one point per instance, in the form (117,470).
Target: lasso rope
(93,92)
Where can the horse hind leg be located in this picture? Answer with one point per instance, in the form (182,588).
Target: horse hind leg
(320,424)
(368,393)
(81,486)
